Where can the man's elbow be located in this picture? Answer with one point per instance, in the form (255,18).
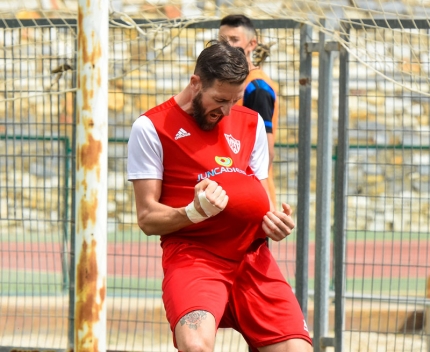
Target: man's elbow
(145,227)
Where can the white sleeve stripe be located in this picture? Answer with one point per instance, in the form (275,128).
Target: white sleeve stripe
(259,162)
(145,152)
(144,176)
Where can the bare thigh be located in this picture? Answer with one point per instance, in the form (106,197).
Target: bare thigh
(196,331)
(293,345)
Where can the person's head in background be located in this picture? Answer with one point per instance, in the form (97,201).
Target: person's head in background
(239,31)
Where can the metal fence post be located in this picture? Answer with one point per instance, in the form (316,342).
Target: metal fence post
(341,180)
(91,177)
(323,194)
(72,264)
(427,314)
(303,177)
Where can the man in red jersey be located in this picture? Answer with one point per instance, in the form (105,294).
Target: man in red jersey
(260,91)
(198,163)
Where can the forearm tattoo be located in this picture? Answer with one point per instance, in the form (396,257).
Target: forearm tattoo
(193,319)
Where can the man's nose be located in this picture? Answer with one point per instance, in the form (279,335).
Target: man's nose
(226,109)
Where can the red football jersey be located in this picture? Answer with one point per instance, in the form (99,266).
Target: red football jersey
(175,147)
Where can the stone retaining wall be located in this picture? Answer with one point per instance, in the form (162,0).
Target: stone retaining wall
(388,187)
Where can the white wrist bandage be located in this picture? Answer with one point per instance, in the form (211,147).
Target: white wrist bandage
(208,208)
(193,214)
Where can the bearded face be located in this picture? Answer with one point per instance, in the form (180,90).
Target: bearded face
(212,103)
(205,120)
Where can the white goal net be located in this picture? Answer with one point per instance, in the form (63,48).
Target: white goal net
(381,46)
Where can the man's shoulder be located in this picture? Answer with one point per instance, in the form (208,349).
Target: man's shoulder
(258,73)
(243,111)
(259,76)
(162,109)
(259,88)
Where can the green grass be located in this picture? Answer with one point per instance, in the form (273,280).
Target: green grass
(378,286)
(112,237)
(131,236)
(20,282)
(414,287)
(386,236)
(130,286)
(136,235)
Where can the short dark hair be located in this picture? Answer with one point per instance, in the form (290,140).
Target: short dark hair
(223,62)
(237,21)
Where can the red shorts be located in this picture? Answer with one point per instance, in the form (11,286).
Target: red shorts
(250,296)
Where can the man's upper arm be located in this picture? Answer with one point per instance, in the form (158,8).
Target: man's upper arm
(145,152)
(145,170)
(260,97)
(146,191)
(259,161)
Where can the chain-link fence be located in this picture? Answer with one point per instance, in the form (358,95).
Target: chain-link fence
(386,201)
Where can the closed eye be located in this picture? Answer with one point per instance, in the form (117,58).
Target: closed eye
(233,40)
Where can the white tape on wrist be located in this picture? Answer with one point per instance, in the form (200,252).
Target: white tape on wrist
(193,214)
(208,208)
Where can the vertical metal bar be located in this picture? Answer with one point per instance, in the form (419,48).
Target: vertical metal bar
(72,264)
(427,315)
(64,250)
(91,176)
(304,151)
(323,193)
(65,259)
(340,204)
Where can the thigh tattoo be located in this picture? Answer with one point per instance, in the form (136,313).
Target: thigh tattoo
(193,319)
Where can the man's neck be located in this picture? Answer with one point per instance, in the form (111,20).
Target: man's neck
(184,100)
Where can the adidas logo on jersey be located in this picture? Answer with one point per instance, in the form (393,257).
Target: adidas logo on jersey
(181,133)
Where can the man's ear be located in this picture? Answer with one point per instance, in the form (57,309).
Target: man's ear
(253,43)
(195,83)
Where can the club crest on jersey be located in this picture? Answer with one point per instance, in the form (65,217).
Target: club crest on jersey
(233,143)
